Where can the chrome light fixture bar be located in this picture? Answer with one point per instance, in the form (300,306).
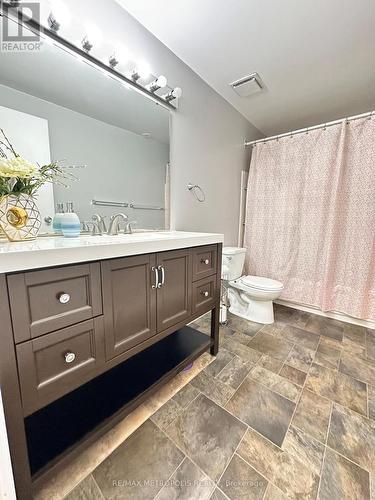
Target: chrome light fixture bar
(9,10)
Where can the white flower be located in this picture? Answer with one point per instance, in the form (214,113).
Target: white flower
(18,167)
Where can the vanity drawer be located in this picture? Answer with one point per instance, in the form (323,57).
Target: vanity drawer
(48,300)
(204,261)
(204,294)
(59,362)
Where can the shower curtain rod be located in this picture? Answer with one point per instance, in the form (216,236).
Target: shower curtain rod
(369,115)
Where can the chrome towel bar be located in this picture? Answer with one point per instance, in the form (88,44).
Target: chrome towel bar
(124,204)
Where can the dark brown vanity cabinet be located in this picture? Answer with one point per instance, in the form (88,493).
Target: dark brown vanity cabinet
(73,323)
(144,295)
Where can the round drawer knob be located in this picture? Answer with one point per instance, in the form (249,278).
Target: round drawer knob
(69,357)
(64,298)
(205,294)
(205,261)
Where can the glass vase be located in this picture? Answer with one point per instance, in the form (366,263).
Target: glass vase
(19,217)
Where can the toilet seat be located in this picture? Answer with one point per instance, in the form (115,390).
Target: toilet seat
(260,283)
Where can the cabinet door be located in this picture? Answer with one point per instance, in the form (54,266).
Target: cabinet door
(174,295)
(129,302)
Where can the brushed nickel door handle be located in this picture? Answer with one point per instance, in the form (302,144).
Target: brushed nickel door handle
(156,274)
(205,261)
(206,294)
(161,268)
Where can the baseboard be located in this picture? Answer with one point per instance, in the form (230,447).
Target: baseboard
(333,315)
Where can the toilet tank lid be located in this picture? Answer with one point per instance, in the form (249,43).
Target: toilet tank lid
(233,250)
(261,283)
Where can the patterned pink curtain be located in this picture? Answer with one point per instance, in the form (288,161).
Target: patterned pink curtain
(310,219)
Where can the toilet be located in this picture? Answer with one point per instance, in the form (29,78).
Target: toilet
(250,297)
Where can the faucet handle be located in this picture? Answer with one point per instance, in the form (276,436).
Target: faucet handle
(128,228)
(96,229)
(99,219)
(85,226)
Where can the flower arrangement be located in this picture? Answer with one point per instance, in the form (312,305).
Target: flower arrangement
(19,176)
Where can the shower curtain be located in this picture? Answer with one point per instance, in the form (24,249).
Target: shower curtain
(310,217)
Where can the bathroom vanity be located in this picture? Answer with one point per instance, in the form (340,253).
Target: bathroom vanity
(89,328)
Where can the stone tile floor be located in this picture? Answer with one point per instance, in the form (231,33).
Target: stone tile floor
(284,411)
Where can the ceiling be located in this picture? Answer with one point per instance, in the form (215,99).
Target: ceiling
(316,57)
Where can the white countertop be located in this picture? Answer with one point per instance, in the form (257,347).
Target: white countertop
(57,251)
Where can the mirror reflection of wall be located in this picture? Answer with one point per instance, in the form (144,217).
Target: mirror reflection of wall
(116,139)
(33,145)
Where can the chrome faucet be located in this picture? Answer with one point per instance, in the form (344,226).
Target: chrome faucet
(128,227)
(115,223)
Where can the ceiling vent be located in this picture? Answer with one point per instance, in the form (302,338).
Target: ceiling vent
(248,85)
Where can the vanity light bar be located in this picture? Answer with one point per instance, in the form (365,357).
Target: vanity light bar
(52,37)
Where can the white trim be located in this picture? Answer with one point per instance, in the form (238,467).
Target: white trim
(334,315)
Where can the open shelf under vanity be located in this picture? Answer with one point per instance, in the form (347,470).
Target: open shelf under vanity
(65,426)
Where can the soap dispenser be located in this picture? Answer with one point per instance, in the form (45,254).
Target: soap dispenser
(70,224)
(59,215)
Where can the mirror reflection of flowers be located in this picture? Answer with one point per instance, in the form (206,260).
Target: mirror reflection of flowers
(20,176)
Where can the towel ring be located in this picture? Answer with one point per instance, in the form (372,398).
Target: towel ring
(197,192)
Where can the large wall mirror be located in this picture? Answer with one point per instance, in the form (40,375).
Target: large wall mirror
(115,141)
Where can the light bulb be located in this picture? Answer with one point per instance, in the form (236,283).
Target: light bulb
(27,12)
(177,92)
(157,84)
(61,12)
(122,53)
(143,70)
(161,81)
(93,34)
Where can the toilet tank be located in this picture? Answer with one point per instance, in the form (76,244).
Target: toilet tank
(233,261)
